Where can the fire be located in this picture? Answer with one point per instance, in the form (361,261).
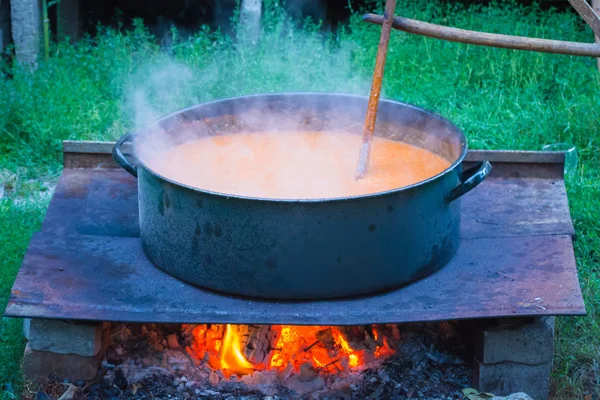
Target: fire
(243,349)
(351,355)
(232,359)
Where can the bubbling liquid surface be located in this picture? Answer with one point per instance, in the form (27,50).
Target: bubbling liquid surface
(294,165)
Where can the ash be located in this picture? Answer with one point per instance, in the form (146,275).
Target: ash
(150,362)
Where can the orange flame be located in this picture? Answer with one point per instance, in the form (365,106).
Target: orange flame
(352,357)
(232,359)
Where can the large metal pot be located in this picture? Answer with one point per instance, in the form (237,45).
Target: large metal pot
(302,249)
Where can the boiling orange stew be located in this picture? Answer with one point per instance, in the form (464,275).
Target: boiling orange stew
(294,165)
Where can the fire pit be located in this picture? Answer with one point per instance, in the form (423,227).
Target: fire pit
(514,268)
(313,362)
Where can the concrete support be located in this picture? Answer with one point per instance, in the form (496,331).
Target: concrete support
(515,357)
(64,337)
(38,365)
(66,349)
(69,20)
(26,29)
(250,14)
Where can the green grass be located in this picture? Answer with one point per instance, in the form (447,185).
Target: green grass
(18,219)
(502,99)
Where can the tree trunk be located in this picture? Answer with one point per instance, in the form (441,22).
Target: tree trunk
(25,16)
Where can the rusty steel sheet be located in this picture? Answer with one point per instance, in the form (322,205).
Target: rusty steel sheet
(83,277)
(516,258)
(516,207)
(103,202)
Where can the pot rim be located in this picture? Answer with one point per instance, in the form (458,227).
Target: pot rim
(452,166)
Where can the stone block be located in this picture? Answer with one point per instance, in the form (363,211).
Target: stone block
(65,337)
(26,327)
(530,343)
(505,378)
(38,365)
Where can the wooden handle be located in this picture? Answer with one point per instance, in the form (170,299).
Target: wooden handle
(490,39)
(369,128)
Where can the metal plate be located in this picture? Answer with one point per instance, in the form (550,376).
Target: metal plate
(108,278)
(516,259)
(501,207)
(101,202)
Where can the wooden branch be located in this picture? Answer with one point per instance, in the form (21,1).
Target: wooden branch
(596,5)
(588,14)
(489,39)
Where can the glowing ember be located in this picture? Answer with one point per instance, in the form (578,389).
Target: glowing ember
(243,349)
(348,350)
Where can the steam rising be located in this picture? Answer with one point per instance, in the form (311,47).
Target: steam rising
(286,59)
(166,86)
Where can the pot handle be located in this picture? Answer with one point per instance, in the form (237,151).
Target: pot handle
(469,179)
(120,158)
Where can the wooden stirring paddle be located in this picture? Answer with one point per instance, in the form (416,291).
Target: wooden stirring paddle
(369,128)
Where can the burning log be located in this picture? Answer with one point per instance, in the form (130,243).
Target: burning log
(325,337)
(259,343)
(359,337)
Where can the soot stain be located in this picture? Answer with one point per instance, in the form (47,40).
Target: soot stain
(271,263)
(195,246)
(372,227)
(161,203)
(213,230)
(196,240)
(339,260)
(166,200)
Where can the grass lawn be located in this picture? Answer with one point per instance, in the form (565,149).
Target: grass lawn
(502,99)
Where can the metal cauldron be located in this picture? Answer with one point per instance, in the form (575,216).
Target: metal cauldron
(303,249)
